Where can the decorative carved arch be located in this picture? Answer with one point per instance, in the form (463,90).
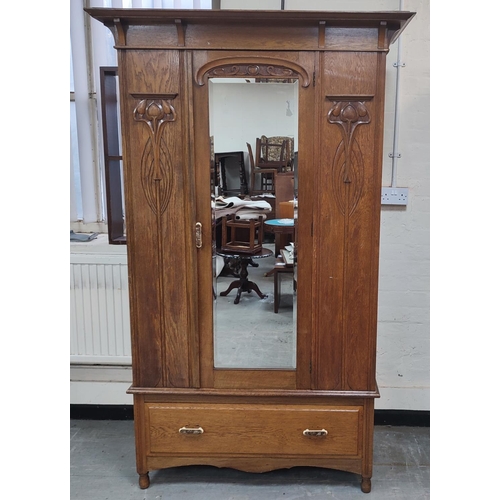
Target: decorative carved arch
(263,67)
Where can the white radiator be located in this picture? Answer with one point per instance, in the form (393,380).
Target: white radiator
(100,324)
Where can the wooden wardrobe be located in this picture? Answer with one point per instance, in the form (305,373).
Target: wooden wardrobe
(187,409)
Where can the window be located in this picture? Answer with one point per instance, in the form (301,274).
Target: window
(91,55)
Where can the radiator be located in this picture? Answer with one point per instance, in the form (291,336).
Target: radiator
(100,324)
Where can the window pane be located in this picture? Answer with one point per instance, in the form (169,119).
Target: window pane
(76,188)
(71,79)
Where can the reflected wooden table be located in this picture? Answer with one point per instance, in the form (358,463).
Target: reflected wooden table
(284,232)
(284,265)
(243,284)
(280,228)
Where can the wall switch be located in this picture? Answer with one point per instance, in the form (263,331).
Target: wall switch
(394,196)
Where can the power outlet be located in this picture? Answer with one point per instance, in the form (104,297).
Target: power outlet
(394,196)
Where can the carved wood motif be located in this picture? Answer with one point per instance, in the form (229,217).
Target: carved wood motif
(348,165)
(156,166)
(155,111)
(252,67)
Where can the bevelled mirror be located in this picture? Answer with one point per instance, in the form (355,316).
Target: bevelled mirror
(254,179)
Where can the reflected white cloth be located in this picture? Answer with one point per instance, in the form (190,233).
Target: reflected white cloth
(244,209)
(234,201)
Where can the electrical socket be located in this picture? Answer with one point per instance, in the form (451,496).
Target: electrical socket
(394,196)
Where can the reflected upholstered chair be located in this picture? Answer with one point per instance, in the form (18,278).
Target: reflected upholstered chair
(279,149)
(264,175)
(272,155)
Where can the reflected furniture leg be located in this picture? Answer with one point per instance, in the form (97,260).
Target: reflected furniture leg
(223,175)
(243,176)
(243,284)
(278,271)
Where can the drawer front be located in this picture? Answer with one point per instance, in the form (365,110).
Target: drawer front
(279,430)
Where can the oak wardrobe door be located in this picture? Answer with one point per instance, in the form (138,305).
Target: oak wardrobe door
(159,217)
(299,66)
(348,216)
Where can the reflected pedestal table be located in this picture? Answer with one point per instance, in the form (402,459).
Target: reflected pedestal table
(283,229)
(243,284)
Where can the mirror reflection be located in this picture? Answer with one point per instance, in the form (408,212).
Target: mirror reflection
(254,160)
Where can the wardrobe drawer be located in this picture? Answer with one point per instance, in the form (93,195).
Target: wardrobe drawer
(178,428)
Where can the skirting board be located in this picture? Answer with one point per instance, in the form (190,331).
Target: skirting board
(410,418)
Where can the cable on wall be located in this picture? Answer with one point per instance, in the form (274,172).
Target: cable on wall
(395,155)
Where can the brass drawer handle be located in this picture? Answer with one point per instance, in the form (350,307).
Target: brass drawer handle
(315,432)
(191,430)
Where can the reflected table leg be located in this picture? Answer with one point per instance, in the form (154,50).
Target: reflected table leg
(243,284)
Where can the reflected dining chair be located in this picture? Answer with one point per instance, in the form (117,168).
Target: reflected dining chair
(265,175)
(277,151)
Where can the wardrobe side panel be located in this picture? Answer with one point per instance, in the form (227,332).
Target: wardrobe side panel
(158,236)
(349,168)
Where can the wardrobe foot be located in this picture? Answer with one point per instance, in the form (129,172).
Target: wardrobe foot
(366,485)
(144,480)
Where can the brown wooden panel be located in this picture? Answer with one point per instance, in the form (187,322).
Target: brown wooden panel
(360,345)
(358,268)
(260,396)
(145,320)
(152,36)
(307,168)
(346,221)
(150,71)
(257,463)
(239,429)
(254,379)
(351,38)
(140,433)
(244,36)
(350,73)
(329,249)
(194,273)
(158,242)
(201,161)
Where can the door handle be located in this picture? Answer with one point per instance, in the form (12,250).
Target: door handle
(315,432)
(191,430)
(198,235)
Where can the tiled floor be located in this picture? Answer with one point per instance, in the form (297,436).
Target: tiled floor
(250,334)
(103,468)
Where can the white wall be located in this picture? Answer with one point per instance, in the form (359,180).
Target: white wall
(404,286)
(240,112)
(403,328)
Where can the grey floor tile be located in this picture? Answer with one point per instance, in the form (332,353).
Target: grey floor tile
(401,445)
(103,468)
